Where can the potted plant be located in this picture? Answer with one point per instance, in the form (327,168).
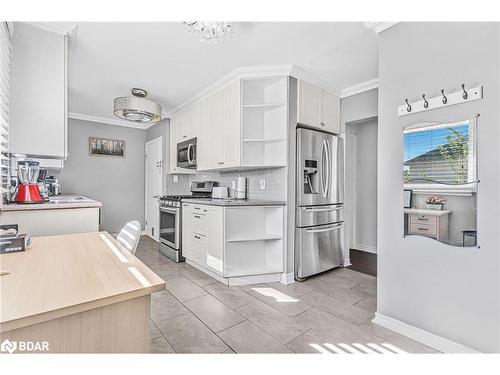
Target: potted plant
(435,202)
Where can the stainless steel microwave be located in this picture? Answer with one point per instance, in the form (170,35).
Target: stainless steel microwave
(186,154)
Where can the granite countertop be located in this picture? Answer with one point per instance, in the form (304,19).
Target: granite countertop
(234,202)
(54,203)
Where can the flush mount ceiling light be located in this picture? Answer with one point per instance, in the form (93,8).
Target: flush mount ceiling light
(210,32)
(137,108)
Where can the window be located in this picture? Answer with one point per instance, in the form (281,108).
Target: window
(440,157)
(5,52)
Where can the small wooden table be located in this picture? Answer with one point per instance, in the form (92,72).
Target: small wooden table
(430,223)
(81,293)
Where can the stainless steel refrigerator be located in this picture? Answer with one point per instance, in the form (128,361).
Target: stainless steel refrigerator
(319,232)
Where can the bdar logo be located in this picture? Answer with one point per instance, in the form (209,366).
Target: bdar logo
(8,346)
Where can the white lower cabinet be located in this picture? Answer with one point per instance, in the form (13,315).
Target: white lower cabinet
(236,245)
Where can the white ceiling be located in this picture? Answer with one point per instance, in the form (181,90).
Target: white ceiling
(107,59)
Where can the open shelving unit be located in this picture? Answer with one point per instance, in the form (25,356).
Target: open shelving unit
(264,121)
(254,241)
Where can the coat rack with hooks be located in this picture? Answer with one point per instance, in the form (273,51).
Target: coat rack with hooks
(444,99)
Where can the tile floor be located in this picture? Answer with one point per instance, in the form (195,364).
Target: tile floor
(329,313)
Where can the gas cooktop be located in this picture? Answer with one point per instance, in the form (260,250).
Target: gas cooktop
(174,200)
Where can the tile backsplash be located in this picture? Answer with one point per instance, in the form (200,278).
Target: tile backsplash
(275,182)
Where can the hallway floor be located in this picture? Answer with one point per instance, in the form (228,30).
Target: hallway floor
(328,313)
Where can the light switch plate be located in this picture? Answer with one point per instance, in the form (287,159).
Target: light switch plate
(175,178)
(262,184)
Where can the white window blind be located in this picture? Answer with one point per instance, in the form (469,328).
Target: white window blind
(443,154)
(5,55)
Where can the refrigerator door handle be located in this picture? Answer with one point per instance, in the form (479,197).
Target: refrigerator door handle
(324,168)
(329,229)
(328,168)
(307,209)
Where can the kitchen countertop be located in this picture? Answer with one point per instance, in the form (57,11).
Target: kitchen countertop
(55,202)
(426,211)
(234,202)
(68,274)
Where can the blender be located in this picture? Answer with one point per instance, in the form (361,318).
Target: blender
(28,190)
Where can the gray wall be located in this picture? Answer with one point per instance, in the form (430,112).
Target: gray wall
(117,182)
(450,291)
(354,110)
(358,107)
(365,221)
(161,129)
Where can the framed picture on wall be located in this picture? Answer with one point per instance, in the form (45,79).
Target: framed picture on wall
(106,147)
(408,193)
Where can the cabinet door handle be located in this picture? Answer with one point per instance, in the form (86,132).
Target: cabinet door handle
(322,123)
(423,219)
(197,237)
(197,216)
(221,163)
(426,229)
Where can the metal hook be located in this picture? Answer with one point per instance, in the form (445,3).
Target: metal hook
(464,94)
(445,99)
(408,106)
(426,103)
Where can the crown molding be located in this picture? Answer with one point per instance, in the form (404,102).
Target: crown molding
(378,27)
(238,73)
(109,121)
(303,74)
(253,72)
(61,28)
(359,88)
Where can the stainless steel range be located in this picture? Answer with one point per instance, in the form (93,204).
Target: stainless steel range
(170,218)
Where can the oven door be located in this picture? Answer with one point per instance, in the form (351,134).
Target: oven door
(170,227)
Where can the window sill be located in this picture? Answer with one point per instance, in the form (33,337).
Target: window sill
(460,190)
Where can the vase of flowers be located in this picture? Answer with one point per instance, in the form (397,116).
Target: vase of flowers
(435,202)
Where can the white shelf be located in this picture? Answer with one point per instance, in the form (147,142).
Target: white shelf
(265,237)
(263,106)
(269,140)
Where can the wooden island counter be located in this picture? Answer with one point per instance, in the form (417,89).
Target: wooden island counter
(81,293)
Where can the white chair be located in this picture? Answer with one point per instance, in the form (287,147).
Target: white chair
(129,236)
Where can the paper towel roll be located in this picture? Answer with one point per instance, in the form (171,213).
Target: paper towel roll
(241,188)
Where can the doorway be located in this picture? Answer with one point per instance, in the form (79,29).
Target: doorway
(153,187)
(361,199)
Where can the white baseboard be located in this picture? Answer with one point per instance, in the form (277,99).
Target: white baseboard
(287,278)
(367,248)
(430,339)
(347,262)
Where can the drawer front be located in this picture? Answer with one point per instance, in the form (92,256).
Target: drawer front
(423,229)
(199,248)
(199,223)
(319,215)
(423,219)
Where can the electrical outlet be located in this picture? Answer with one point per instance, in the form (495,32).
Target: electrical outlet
(175,178)
(262,184)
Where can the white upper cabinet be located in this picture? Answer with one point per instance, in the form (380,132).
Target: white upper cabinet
(330,112)
(240,125)
(38,92)
(309,104)
(318,108)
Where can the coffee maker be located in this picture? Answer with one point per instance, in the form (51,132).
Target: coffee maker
(27,189)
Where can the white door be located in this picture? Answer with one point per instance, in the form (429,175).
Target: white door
(154,186)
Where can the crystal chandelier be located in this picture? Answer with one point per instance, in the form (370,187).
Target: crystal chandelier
(137,108)
(210,32)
